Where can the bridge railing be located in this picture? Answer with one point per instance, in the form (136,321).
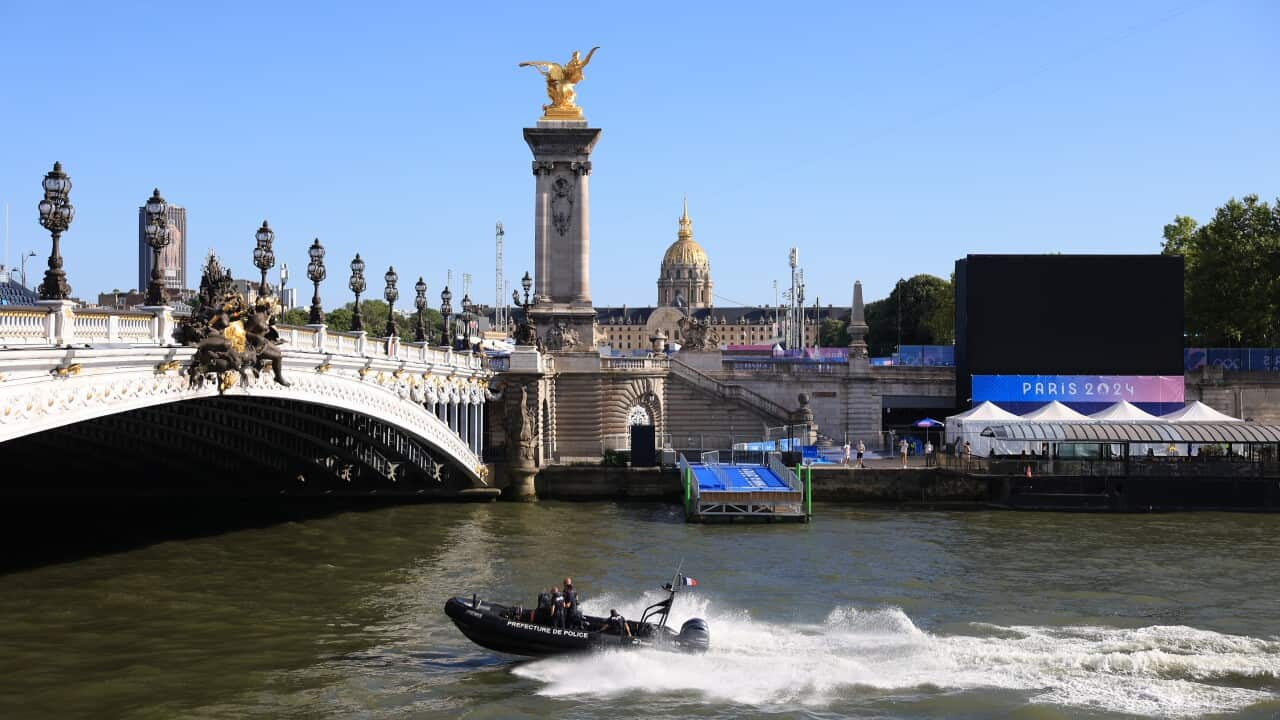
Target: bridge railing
(634,363)
(56,325)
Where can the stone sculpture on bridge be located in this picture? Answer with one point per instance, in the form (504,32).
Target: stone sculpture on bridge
(698,336)
(231,338)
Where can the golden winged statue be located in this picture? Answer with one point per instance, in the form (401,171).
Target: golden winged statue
(560,82)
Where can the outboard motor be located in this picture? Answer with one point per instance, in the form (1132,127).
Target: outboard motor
(694,635)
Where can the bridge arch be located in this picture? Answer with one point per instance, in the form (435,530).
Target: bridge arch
(110,388)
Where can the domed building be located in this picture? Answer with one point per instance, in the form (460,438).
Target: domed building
(684,280)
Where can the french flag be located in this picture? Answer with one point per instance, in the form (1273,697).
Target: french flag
(688,581)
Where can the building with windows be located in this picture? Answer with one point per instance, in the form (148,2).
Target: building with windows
(173,258)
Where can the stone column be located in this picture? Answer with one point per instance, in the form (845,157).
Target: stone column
(562,234)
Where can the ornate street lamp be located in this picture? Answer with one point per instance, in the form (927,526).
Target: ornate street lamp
(157,233)
(445,311)
(56,214)
(525,333)
(316,273)
(464,322)
(356,283)
(391,294)
(420,302)
(263,257)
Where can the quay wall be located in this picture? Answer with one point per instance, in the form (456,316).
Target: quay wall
(913,486)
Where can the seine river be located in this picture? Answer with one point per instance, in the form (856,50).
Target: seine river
(864,613)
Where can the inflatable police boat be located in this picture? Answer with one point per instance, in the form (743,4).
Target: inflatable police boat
(519,631)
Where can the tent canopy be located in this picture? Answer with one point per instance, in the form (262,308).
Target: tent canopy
(969,425)
(1054,412)
(1124,411)
(1198,412)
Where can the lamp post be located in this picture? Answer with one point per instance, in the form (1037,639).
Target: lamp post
(30,254)
(157,233)
(316,273)
(356,283)
(445,311)
(391,294)
(420,302)
(525,333)
(263,257)
(56,214)
(468,312)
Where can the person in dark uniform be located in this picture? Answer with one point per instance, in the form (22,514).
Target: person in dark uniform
(544,607)
(573,617)
(618,624)
(557,608)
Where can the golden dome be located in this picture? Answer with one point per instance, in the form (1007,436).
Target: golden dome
(684,251)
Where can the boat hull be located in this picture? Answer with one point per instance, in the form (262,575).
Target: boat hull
(511,630)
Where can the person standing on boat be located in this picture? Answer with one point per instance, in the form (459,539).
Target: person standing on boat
(574,615)
(544,607)
(557,608)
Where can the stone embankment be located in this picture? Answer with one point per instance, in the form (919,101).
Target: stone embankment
(916,486)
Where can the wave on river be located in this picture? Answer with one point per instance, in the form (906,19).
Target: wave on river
(1157,670)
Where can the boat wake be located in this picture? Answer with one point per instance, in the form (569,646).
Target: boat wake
(860,655)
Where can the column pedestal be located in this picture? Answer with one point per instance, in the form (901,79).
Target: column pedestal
(522,487)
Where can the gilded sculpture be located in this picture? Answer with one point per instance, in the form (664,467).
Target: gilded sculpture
(560,82)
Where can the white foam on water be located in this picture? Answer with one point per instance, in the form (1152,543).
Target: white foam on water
(1158,671)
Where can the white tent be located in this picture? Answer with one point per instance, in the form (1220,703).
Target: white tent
(1196,411)
(1054,412)
(1124,411)
(969,425)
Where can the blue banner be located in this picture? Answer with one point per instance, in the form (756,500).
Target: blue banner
(1078,388)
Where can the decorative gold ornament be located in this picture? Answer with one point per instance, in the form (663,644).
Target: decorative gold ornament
(363,371)
(323,367)
(65,370)
(165,367)
(560,82)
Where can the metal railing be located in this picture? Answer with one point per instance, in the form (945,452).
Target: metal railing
(622,441)
(711,459)
(1141,466)
(787,474)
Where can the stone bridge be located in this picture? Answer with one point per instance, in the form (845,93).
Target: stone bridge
(96,401)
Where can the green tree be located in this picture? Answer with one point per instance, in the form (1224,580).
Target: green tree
(928,308)
(833,333)
(1232,273)
(374,314)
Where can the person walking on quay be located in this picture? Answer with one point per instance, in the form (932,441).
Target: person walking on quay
(846,453)
(928,454)
(968,454)
(862,449)
(902,450)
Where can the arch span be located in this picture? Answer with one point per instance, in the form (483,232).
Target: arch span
(379,405)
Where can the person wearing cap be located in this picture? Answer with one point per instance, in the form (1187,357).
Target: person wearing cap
(618,624)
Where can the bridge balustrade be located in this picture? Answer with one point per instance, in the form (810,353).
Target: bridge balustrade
(38,326)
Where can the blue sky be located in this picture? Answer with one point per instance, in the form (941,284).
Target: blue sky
(883,139)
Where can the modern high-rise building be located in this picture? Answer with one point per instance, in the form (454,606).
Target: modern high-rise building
(173,258)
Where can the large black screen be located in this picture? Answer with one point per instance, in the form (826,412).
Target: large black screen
(1067,315)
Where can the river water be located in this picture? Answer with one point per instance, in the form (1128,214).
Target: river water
(863,613)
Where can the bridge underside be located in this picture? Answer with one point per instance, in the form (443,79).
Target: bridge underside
(229,446)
